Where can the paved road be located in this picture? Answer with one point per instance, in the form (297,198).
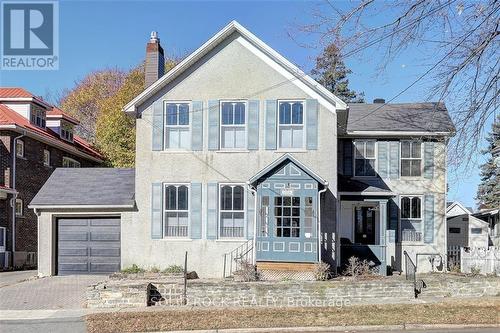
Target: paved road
(467,330)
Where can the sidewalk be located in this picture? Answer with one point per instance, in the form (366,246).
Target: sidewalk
(13,277)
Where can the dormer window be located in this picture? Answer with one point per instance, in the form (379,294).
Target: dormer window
(66,131)
(38,117)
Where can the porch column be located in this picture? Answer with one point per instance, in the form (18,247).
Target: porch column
(382,238)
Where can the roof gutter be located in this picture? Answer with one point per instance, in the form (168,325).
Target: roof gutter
(35,206)
(52,142)
(394,133)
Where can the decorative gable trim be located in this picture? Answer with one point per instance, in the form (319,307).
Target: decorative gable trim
(326,98)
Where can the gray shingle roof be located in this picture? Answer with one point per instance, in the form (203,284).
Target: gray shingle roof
(87,186)
(408,117)
(375,185)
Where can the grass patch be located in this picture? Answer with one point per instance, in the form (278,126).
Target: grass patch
(474,311)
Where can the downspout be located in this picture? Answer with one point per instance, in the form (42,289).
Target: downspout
(14,196)
(319,219)
(254,250)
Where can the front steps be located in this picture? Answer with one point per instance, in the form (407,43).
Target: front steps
(279,271)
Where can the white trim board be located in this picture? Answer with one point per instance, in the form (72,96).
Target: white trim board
(254,44)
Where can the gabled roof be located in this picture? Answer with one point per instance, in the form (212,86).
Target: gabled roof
(279,161)
(10,119)
(57,113)
(87,187)
(296,74)
(411,118)
(455,204)
(17,94)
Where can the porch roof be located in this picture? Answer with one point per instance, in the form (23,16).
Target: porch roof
(279,161)
(349,186)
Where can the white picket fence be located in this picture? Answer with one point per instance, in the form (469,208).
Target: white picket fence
(475,259)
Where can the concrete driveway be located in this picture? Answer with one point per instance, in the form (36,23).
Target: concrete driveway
(50,293)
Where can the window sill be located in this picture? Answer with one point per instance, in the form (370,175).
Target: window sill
(176,239)
(298,150)
(410,243)
(232,151)
(231,240)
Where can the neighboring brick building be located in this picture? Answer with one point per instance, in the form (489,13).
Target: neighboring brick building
(41,137)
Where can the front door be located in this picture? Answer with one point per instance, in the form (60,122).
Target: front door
(364,225)
(287,227)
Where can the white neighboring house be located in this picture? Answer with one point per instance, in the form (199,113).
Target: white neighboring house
(463,229)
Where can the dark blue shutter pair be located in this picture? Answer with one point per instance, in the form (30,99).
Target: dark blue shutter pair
(195,196)
(158,125)
(252,125)
(311,123)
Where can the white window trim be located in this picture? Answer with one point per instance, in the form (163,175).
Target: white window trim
(46,163)
(304,126)
(232,211)
(38,113)
(245,146)
(411,158)
(188,211)
(18,200)
(165,126)
(19,152)
(375,153)
(420,220)
(2,248)
(68,129)
(70,160)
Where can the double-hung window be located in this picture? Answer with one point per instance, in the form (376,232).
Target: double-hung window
(411,218)
(176,210)
(364,158)
(38,117)
(177,131)
(232,211)
(19,148)
(70,163)
(233,125)
(291,124)
(19,207)
(2,240)
(411,158)
(46,157)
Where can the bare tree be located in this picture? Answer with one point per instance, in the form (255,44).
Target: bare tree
(460,40)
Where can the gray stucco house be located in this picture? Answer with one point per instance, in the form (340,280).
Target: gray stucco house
(240,154)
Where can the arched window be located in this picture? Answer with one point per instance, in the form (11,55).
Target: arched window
(176,211)
(232,211)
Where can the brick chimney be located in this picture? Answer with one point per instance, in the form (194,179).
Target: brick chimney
(155,61)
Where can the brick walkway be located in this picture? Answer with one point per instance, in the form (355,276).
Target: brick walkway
(58,292)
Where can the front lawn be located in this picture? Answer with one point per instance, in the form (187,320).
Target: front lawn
(471,311)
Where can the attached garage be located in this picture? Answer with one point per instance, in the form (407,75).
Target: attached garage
(80,214)
(88,245)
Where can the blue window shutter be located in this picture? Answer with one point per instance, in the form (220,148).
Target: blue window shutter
(212,216)
(312,123)
(428,160)
(157,126)
(393,220)
(253,124)
(156,211)
(394,159)
(197,126)
(250,214)
(429,217)
(271,124)
(347,157)
(383,167)
(213,125)
(195,210)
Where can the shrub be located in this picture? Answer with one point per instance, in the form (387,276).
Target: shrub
(322,271)
(174,269)
(356,268)
(155,269)
(133,269)
(246,273)
(475,270)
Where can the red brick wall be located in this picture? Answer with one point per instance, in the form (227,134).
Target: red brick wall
(31,174)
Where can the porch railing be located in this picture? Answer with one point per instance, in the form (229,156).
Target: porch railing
(176,231)
(411,275)
(232,232)
(238,258)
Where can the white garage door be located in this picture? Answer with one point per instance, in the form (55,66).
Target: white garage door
(88,245)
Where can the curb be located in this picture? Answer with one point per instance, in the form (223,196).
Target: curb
(403,327)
